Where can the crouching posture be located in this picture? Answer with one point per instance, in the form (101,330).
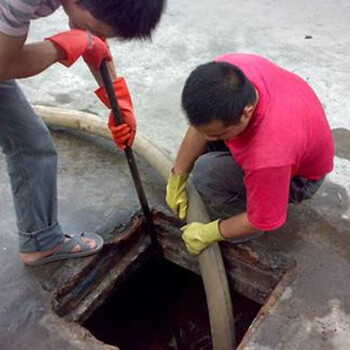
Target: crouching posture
(258,139)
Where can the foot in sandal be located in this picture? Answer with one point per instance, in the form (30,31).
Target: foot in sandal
(84,244)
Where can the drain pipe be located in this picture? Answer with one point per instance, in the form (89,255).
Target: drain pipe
(210,260)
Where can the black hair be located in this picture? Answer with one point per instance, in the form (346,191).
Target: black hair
(129,18)
(216,90)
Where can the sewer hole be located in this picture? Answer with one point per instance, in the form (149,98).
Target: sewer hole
(162,307)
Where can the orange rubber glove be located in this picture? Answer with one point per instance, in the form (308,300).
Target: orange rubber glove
(94,57)
(123,134)
(75,43)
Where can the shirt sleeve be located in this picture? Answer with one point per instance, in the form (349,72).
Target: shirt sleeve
(267,196)
(15,17)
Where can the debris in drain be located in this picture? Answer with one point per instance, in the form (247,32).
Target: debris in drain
(162,307)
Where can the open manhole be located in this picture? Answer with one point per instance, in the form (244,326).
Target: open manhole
(129,298)
(162,307)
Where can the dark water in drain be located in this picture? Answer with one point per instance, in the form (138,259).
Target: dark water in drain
(162,307)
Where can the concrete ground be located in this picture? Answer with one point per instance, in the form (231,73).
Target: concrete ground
(96,194)
(310,38)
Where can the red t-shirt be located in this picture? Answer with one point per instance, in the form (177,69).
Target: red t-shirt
(288,136)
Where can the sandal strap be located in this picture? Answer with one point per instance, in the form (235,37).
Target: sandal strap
(73,241)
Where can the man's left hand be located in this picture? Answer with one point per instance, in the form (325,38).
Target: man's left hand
(198,236)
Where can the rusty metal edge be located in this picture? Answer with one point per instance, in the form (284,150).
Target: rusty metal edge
(211,262)
(264,312)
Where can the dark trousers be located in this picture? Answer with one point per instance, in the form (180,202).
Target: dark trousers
(220,181)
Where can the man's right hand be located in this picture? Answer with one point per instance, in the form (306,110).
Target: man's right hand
(176,195)
(123,134)
(75,43)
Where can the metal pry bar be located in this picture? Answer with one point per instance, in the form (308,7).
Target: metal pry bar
(129,154)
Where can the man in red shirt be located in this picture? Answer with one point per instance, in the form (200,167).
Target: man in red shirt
(277,148)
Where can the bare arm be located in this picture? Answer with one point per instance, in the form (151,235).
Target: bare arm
(192,146)
(18,60)
(236,226)
(98,77)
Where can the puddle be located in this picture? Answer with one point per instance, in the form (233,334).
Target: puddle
(162,307)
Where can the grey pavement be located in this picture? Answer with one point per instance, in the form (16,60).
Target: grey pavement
(95,193)
(310,38)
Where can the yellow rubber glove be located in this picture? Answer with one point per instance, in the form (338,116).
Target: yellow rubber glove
(176,195)
(198,236)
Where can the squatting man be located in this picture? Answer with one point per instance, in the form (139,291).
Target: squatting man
(258,139)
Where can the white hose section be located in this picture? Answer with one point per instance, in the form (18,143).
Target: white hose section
(210,260)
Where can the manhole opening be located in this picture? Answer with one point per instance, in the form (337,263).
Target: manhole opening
(162,306)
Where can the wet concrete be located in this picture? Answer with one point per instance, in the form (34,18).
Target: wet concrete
(95,194)
(313,310)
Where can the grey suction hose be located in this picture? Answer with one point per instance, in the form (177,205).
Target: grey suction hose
(210,261)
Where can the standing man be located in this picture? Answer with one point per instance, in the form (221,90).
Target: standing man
(258,140)
(24,139)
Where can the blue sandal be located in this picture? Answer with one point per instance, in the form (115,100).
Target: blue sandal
(65,252)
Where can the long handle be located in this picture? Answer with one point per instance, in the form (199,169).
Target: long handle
(128,152)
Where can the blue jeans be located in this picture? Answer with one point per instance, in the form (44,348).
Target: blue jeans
(32,167)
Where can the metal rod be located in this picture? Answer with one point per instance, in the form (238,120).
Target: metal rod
(128,152)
